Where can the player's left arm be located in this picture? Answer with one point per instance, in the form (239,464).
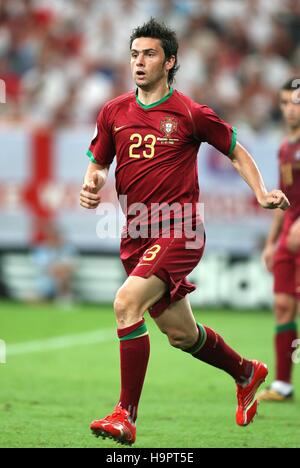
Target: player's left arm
(209,127)
(247,168)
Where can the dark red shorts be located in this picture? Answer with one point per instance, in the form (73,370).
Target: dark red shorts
(167,258)
(286,271)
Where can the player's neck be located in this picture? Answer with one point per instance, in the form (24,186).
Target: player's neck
(293,134)
(148,97)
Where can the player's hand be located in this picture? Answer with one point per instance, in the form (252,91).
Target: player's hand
(274,199)
(89,196)
(268,256)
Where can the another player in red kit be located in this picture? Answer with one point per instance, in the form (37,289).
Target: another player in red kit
(282,251)
(155,134)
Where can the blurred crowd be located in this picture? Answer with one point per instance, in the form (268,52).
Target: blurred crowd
(62,59)
(55,262)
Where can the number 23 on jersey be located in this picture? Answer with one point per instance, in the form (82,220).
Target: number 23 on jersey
(137,141)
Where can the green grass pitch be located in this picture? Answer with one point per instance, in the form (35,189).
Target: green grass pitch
(51,390)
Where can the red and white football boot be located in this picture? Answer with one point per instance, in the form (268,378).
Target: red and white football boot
(117,426)
(247,403)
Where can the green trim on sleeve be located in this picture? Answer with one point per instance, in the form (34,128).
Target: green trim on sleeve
(91,156)
(286,327)
(233,141)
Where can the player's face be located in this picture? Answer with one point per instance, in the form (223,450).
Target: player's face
(148,64)
(290,107)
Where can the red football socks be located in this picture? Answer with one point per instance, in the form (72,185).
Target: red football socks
(134,356)
(212,349)
(285,335)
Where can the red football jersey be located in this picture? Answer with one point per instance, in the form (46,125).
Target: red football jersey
(289,164)
(156,146)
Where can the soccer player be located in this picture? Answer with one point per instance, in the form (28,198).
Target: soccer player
(282,251)
(155,134)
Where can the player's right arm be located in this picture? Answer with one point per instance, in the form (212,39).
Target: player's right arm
(101,154)
(94,181)
(273,236)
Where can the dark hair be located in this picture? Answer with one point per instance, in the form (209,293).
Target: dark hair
(167,38)
(291,84)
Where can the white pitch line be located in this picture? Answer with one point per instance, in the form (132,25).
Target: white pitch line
(60,342)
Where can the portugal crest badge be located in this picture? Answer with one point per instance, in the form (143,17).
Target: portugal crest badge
(168,126)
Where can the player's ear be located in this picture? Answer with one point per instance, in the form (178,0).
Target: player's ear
(170,62)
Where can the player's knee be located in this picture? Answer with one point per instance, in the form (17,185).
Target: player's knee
(181,340)
(126,310)
(284,309)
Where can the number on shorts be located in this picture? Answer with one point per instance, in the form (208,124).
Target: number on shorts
(151,253)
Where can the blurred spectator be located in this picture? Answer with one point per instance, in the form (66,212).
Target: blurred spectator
(62,59)
(55,260)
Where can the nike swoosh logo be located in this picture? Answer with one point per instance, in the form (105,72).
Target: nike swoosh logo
(116,129)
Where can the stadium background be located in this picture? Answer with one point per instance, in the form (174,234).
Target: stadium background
(60,61)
